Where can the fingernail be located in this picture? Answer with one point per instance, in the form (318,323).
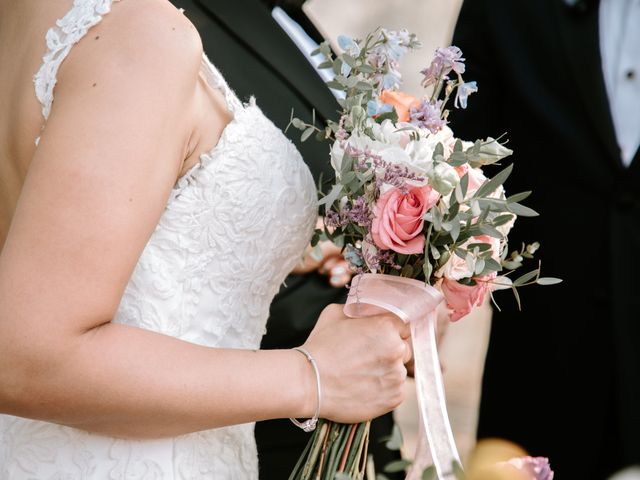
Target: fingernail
(338,271)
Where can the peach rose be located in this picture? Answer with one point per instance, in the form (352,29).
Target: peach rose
(397,223)
(462,298)
(401,101)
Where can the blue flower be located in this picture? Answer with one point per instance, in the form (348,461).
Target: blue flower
(463,92)
(348,45)
(374,107)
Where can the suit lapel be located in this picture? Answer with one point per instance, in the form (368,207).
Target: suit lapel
(256,29)
(580,36)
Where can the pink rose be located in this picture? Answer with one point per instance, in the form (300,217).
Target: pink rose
(462,298)
(397,223)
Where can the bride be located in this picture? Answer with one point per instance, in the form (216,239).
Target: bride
(147,219)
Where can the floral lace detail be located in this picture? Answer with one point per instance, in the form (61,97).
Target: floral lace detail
(68,31)
(233,227)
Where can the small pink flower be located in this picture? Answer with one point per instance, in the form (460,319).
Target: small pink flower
(462,298)
(536,468)
(397,222)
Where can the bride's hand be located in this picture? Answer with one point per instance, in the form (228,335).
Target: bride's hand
(326,260)
(361,363)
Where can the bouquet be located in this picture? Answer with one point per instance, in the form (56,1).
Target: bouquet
(416,216)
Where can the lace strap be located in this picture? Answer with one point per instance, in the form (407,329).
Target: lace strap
(215,78)
(67,31)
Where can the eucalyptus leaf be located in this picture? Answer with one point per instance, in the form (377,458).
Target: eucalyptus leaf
(397,466)
(332,196)
(521,210)
(481,246)
(527,277)
(548,281)
(455,229)
(490,266)
(457,158)
(458,472)
(438,151)
(335,85)
(348,59)
(348,177)
(464,184)
(364,86)
(492,185)
(430,474)
(299,124)
(518,197)
(491,231)
(307,133)
(502,219)
(395,440)
(407,271)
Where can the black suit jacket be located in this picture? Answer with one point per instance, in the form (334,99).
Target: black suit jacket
(562,377)
(257,58)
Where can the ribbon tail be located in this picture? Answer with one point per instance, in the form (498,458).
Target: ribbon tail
(431,402)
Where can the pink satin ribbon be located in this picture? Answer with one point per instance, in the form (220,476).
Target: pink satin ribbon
(416,303)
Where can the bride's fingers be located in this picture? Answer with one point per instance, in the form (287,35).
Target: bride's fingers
(408,355)
(340,275)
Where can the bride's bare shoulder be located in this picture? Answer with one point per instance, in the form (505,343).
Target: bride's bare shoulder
(142,33)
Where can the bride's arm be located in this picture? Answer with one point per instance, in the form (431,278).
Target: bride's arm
(122,118)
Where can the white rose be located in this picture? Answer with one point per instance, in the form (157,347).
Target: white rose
(389,133)
(420,153)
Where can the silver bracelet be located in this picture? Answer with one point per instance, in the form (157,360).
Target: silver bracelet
(310,424)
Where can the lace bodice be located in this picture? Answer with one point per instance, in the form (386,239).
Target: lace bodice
(233,227)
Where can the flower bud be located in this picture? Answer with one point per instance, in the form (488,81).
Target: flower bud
(444,178)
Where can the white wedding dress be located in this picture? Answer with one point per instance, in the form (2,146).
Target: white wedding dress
(233,228)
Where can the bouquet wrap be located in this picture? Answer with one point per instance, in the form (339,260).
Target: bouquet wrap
(416,303)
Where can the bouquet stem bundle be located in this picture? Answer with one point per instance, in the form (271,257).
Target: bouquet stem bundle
(335,451)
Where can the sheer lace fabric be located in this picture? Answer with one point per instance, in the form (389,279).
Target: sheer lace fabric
(233,227)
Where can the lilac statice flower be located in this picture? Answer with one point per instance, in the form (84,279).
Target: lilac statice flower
(445,60)
(428,116)
(363,159)
(537,467)
(463,92)
(397,176)
(393,174)
(333,219)
(374,258)
(359,213)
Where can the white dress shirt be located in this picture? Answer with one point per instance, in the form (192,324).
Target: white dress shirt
(620,51)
